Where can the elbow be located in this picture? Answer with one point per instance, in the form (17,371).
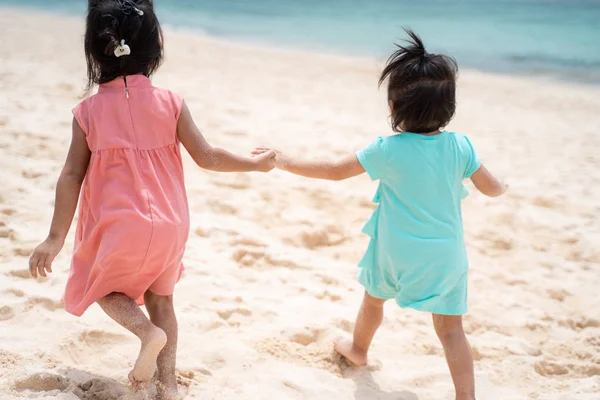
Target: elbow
(73,176)
(493,194)
(496,191)
(203,163)
(207,160)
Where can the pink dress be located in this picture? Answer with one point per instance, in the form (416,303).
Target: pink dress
(133,214)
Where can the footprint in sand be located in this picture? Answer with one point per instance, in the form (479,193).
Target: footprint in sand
(283,262)
(327,295)
(580,323)
(550,368)
(545,202)
(318,355)
(222,208)
(22,251)
(7,233)
(328,236)
(593,341)
(15,292)
(31,174)
(6,313)
(101,389)
(226,314)
(328,280)
(20,273)
(247,257)
(246,241)
(99,337)
(202,232)
(558,294)
(45,302)
(257,257)
(306,336)
(367,204)
(44,382)
(345,325)
(8,211)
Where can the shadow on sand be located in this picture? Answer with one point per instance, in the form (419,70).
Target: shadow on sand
(368,389)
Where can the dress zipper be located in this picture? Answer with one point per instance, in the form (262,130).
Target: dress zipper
(126,87)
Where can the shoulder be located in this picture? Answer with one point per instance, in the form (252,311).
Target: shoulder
(166,94)
(379,145)
(458,136)
(81,112)
(462,140)
(171,99)
(87,102)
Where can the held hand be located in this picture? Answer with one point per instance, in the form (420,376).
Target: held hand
(264,160)
(279,158)
(43,256)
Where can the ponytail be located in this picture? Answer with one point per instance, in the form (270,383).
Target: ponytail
(421,87)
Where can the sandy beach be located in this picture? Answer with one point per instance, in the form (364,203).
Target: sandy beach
(271,259)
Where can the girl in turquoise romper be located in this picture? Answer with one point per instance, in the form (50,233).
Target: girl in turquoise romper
(416,254)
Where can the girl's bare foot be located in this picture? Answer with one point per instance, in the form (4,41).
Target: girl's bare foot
(346,348)
(145,365)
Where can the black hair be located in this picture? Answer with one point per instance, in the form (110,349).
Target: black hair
(421,88)
(111,21)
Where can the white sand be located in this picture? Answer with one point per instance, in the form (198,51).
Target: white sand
(271,258)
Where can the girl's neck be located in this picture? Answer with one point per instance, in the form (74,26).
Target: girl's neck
(432,133)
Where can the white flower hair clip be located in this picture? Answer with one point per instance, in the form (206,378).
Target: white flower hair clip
(122,49)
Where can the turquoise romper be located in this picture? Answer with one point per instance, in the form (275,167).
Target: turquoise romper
(417,253)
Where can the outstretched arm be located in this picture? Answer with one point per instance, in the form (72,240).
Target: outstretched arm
(345,168)
(213,158)
(487,184)
(65,203)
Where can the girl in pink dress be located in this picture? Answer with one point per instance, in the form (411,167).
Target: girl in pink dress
(124,166)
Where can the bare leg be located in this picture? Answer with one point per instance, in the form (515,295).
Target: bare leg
(458,354)
(162,315)
(368,320)
(126,313)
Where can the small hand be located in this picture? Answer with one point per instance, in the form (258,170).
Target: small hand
(265,160)
(43,256)
(279,158)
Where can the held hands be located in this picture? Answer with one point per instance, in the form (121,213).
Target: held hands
(279,159)
(43,256)
(265,160)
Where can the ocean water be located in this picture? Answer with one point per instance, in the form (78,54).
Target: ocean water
(556,38)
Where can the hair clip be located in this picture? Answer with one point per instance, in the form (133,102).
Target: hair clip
(127,6)
(122,49)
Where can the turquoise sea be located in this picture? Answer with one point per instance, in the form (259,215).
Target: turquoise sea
(556,38)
